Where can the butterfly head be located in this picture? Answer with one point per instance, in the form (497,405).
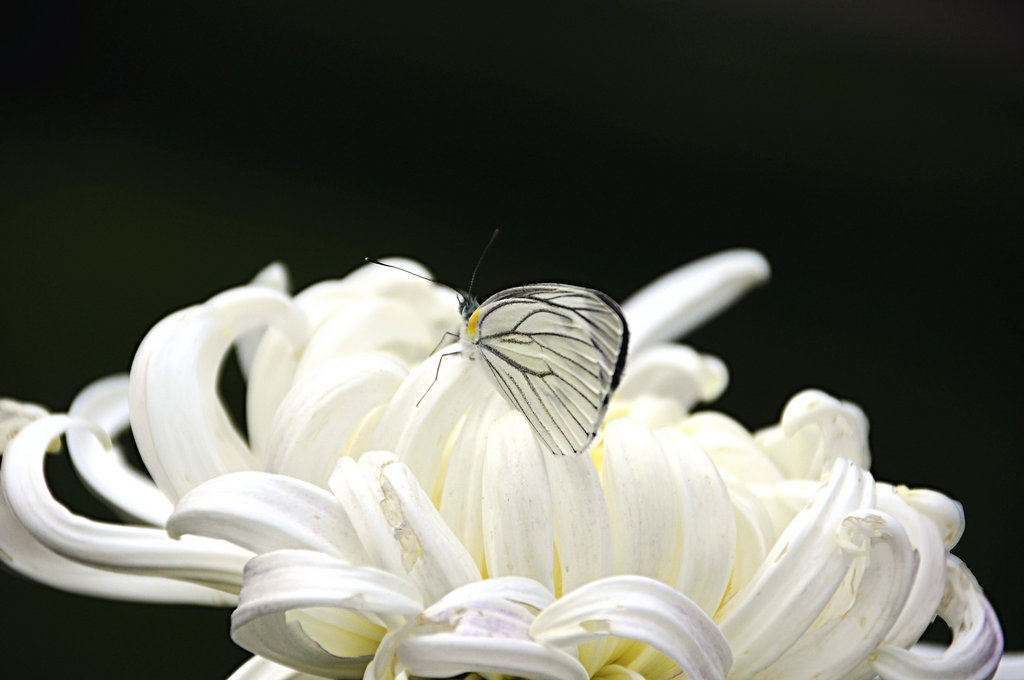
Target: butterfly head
(469,309)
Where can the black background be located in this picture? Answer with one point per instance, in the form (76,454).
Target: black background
(150,157)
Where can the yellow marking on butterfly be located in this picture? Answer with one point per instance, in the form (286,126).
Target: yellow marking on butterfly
(471,324)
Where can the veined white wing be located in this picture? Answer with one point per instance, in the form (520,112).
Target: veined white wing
(556,352)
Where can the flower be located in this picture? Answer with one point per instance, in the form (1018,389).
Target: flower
(388,517)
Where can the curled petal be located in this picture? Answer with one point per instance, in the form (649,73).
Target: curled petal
(515,589)
(14,415)
(140,550)
(444,655)
(865,608)
(20,551)
(516,503)
(641,609)
(676,372)
(924,598)
(271,375)
(322,412)
(943,511)
(183,432)
(815,430)
(681,300)
(107,472)
(275,277)
(275,364)
(262,512)
(286,611)
(482,627)
(798,578)
(977,639)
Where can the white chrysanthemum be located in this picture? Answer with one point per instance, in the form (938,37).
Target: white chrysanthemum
(367,530)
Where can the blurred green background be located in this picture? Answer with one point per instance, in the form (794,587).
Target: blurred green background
(152,155)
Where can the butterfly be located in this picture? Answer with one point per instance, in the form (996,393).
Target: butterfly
(555,351)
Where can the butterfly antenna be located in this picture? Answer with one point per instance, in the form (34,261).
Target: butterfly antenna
(459,293)
(472,279)
(391,266)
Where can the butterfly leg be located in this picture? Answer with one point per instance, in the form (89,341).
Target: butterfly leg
(437,372)
(438,345)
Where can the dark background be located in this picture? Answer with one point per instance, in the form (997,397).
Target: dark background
(150,157)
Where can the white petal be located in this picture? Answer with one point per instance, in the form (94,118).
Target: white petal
(515,589)
(869,603)
(754,535)
(371,325)
(398,525)
(438,305)
(275,277)
(276,364)
(443,563)
(140,550)
(263,512)
(707,545)
(943,511)
(463,476)
(815,429)
(924,598)
(676,372)
(418,424)
(183,432)
(516,503)
(1011,667)
(107,473)
(444,655)
(732,448)
(482,627)
(640,489)
(784,500)
(258,668)
(271,375)
(583,528)
(681,300)
(799,576)
(20,551)
(290,579)
(323,410)
(281,583)
(641,609)
(385,543)
(14,415)
(977,639)
(433,309)
(616,672)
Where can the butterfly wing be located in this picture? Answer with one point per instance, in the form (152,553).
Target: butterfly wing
(556,352)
